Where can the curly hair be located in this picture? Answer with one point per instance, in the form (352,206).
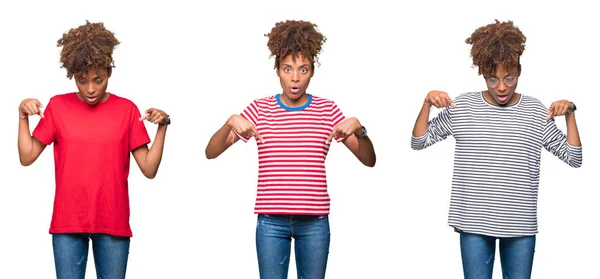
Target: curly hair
(499,43)
(87,47)
(293,38)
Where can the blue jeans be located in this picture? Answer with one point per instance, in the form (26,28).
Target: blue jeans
(71,253)
(478,253)
(274,235)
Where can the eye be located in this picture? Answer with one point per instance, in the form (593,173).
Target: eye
(493,80)
(509,79)
(287,70)
(98,81)
(304,70)
(82,81)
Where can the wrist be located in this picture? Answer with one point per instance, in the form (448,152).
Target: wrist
(361,132)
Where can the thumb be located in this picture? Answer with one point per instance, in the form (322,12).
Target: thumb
(143,117)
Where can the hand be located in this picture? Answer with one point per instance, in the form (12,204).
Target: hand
(344,129)
(155,116)
(559,108)
(439,99)
(30,107)
(243,127)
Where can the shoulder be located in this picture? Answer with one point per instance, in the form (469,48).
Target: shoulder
(62,98)
(466,102)
(317,101)
(263,101)
(530,100)
(533,104)
(468,97)
(122,101)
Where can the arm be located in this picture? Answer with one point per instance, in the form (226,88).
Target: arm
(149,159)
(221,140)
(426,133)
(422,123)
(362,148)
(572,131)
(238,126)
(30,148)
(566,147)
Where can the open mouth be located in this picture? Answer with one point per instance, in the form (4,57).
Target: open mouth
(503,98)
(91,99)
(294,89)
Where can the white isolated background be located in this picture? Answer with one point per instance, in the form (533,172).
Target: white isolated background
(203,61)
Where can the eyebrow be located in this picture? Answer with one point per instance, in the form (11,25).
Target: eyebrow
(95,77)
(508,74)
(304,65)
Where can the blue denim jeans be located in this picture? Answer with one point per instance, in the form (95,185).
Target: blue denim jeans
(274,235)
(71,254)
(478,253)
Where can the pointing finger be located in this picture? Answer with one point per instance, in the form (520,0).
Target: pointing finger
(450,101)
(257,135)
(331,135)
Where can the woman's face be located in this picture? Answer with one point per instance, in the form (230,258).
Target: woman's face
(92,85)
(502,85)
(294,76)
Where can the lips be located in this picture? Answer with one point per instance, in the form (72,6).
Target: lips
(503,98)
(294,89)
(91,99)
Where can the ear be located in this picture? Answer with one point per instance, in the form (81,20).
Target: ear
(109,71)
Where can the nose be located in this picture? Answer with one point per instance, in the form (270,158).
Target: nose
(295,76)
(91,88)
(501,86)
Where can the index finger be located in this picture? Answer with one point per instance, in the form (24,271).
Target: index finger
(39,106)
(332,135)
(550,112)
(257,135)
(450,101)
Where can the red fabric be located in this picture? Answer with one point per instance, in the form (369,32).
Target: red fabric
(291,161)
(91,156)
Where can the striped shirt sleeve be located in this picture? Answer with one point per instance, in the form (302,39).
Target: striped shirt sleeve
(440,127)
(250,114)
(555,141)
(336,117)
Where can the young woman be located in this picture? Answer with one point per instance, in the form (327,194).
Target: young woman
(499,136)
(93,132)
(293,131)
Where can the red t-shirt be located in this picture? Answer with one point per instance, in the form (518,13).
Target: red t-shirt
(91,157)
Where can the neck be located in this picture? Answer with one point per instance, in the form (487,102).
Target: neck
(294,103)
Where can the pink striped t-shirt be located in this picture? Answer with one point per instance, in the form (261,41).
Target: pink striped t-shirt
(291,161)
